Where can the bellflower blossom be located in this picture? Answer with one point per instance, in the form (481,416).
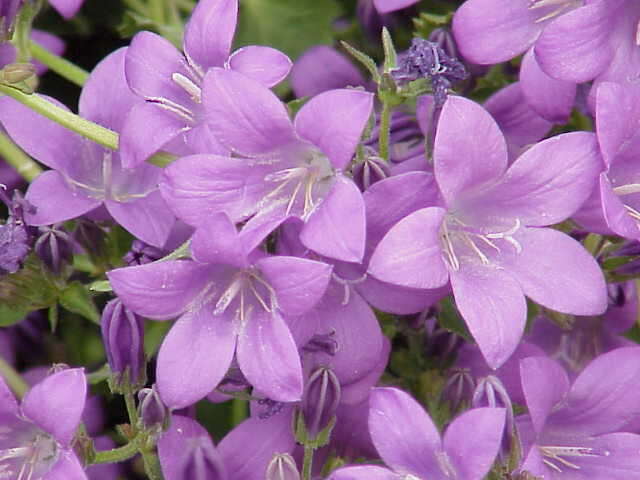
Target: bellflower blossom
(486,238)
(386,6)
(85,175)
(279,169)
(580,431)
(410,445)
(171,81)
(35,437)
(231,298)
(67,8)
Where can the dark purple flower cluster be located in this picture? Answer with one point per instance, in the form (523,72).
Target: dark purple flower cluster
(395,281)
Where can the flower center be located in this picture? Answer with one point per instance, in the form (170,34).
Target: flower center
(553,456)
(459,240)
(552,8)
(26,452)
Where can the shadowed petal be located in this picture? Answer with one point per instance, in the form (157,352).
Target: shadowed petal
(364,472)
(195,356)
(334,121)
(391,298)
(386,6)
(67,467)
(264,64)
(67,8)
(617,122)
(55,404)
(614,211)
(8,403)
(617,458)
(410,254)
(268,357)
(159,290)
(216,241)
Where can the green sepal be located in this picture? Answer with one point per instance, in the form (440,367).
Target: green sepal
(304,438)
(365,60)
(77,299)
(390,55)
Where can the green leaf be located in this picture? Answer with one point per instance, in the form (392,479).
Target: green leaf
(31,288)
(77,299)
(390,55)
(288,25)
(10,316)
(365,60)
(100,286)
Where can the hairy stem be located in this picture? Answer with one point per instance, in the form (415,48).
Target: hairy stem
(385,131)
(20,161)
(15,382)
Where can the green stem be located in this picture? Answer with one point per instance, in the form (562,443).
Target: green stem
(385,131)
(131,410)
(238,411)
(20,161)
(61,66)
(307,462)
(152,466)
(23,32)
(117,455)
(13,379)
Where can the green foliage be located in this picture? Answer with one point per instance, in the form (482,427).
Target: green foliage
(76,298)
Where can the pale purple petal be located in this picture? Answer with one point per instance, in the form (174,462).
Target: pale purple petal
(67,8)
(216,240)
(386,6)
(410,254)
(55,404)
(472,441)
(616,458)
(67,467)
(391,298)
(48,192)
(299,283)
(264,64)
(244,115)
(493,307)
(187,368)
(617,121)
(614,211)
(209,33)
(160,290)
(334,121)
(8,403)
(268,357)
(322,68)
(403,433)
(460,161)
(337,227)
(493,31)
(364,472)
(544,383)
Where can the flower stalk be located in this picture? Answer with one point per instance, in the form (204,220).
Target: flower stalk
(20,161)
(61,66)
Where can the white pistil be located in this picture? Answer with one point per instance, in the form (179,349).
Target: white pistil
(555,454)
(627,189)
(188,86)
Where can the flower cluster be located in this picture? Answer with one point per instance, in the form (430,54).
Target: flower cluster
(426,274)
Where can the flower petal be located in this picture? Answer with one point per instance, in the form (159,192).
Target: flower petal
(56,403)
(67,8)
(337,227)
(364,472)
(159,290)
(67,467)
(216,241)
(8,403)
(187,369)
(410,254)
(264,64)
(334,122)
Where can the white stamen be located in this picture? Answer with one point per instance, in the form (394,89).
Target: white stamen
(627,189)
(173,107)
(228,295)
(188,86)
(555,454)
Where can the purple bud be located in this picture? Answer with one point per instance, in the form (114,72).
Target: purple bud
(90,235)
(8,11)
(371,170)
(282,467)
(141,253)
(320,400)
(123,337)
(153,414)
(54,247)
(459,387)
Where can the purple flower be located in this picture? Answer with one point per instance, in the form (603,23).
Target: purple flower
(8,52)
(35,437)
(278,169)
(86,175)
(16,235)
(67,8)
(487,238)
(578,432)
(386,6)
(410,445)
(171,82)
(230,298)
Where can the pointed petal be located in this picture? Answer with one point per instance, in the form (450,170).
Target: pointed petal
(299,283)
(334,121)
(268,357)
(616,458)
(243,114)
(67,8)
(195,356)
(552,99)
(49,192)
(386,6)
(410,254)
(337,226)
(544,383)
(556,271)
(159,290)
(575,47)
(546,184)
(54,145)
(493,31)
(146,218)
(67,467)
(391,298)
(364,472)
(216,241)
(199,185)
(264,64)
(55,404)
(209,33)
(473,439)
(460,162)
(403,433)
(493,307)
(8,403)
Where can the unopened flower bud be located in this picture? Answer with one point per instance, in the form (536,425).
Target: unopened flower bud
(8,11)
(282,467)
(154,415)
(320,400)
(54,246)
(141,254)
(17,72)
(123,337)
(89,235)
(371,170)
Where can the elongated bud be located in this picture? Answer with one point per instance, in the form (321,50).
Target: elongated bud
(320,400)
(282,467)
(54,246)
(17,72)
(141,253)
(123,337)
(8,11)
(154,415)
(371,170)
